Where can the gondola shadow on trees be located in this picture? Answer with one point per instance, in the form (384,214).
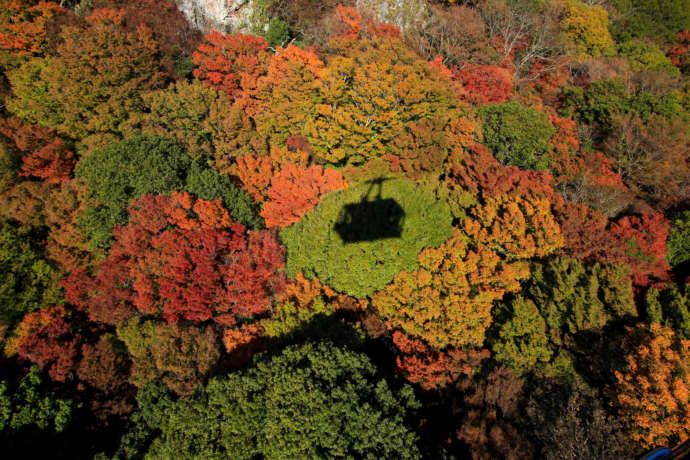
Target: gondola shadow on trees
(370,219)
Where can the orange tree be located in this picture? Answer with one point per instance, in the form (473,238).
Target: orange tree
(38,151)
(287,94)
(174,34)
(232,64)
(653,390)
(430,368)
(509,210)
(296,190)
(37,190)
(27,26)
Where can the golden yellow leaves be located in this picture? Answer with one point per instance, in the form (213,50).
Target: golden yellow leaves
(518,227)
(447,302)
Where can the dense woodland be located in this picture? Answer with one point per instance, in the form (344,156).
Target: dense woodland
(469,238)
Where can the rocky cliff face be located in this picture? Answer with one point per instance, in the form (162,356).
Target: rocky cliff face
(222,15)
(247,16)
(401,13)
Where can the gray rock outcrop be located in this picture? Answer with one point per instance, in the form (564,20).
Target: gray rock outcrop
(222,15)
(248,16)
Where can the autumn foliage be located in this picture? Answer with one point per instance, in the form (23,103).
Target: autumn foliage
(585,28)
(485,412)
(509,210)
(430,368)
(484,84)
(287,94)
(254,172)
(51,342)
(653,389)
(184,260)
(369,97)
(515,226)
(92,83)
(295,191)
(104,364)
(43,154)
(232,64)
(641,242)
(447,302)
(174,36)
(242,343)
(459,234)
(27,27)
(180,356)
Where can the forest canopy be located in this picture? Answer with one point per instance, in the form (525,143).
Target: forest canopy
(285,229)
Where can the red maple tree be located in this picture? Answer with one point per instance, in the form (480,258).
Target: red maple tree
(182,258)
(232,64)
(484,84)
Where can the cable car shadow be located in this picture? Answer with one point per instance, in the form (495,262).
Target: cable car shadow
(370,219)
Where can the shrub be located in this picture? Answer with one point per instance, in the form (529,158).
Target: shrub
(644,55)
(678,242)
(517,135)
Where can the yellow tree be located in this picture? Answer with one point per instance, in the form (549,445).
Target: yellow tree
(517,226)
(375,95)
(584,28)
(509,210)
(93,84)
(448,300)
